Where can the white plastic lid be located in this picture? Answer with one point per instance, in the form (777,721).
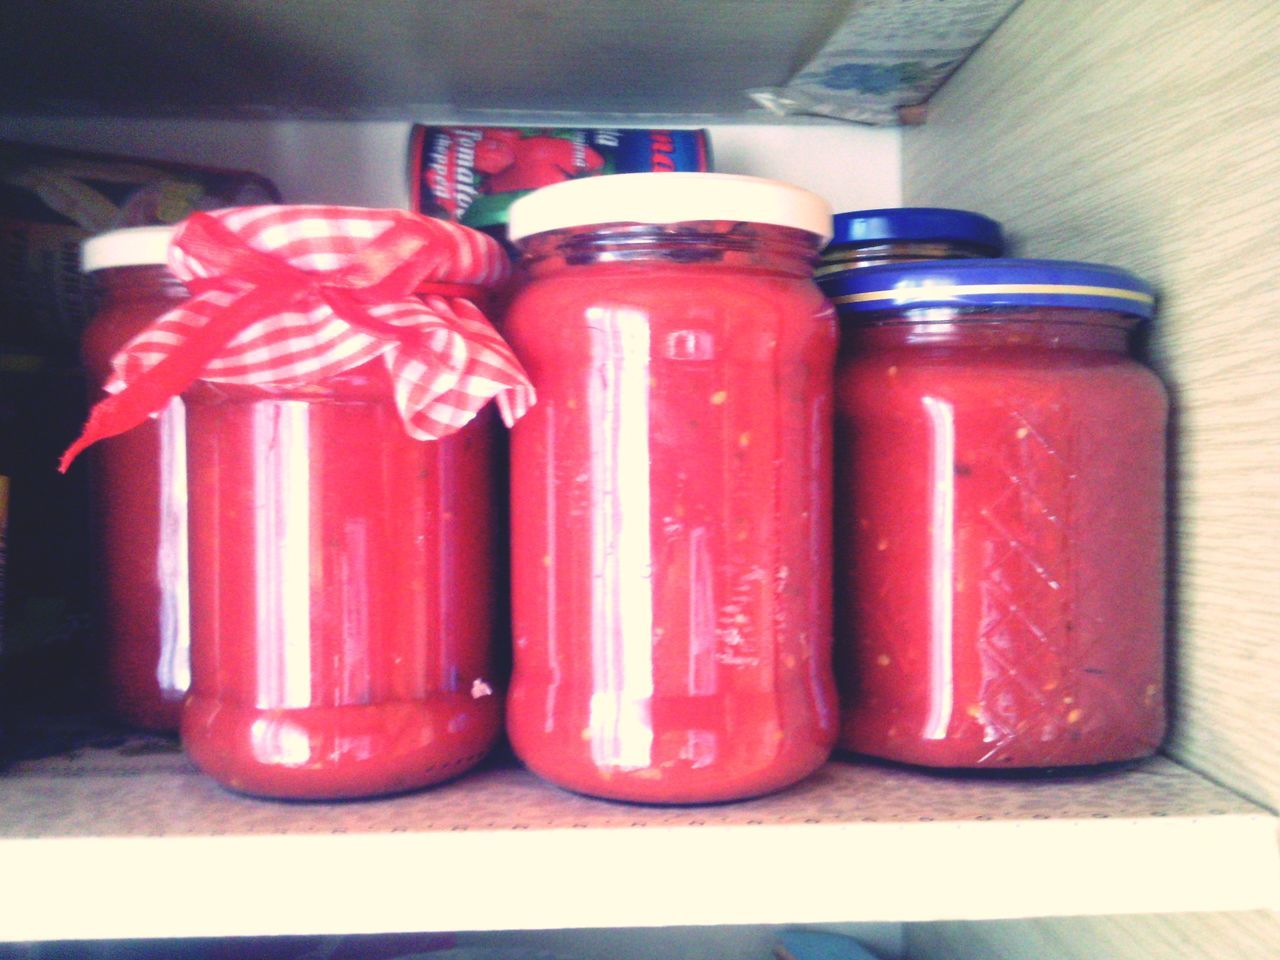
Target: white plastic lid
(132,247)
(669,198)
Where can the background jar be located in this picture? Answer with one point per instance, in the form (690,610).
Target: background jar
(864,238)
(1000,515)
(139,491)
(671,488)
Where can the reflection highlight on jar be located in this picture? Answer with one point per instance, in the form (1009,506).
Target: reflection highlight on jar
(354,683)
(282,552)
(942,523)
(279,741)
(703,668)
(620,723)
(173,670)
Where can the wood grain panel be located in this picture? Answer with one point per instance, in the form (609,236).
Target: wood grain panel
(1144,133)
(1216,936)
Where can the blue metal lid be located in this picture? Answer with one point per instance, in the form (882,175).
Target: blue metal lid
(918,225)
(990,283)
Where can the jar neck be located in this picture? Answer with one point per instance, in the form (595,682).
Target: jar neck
(1036,328)
(118,285)
(728,244)
(850,256)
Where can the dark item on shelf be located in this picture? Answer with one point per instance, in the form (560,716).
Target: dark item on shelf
(46,658)
(52,199)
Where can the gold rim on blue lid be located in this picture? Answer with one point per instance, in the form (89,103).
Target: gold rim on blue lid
(903,296)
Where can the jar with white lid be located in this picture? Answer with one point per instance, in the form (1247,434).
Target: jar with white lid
(671,531)
(139,492)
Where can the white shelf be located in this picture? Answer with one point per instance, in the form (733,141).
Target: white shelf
(113,843)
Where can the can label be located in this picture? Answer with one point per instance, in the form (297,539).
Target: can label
(472,175)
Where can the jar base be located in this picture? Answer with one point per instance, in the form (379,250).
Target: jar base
(993,773)
(336,753)
(651,790)
(676,784)
(975,758)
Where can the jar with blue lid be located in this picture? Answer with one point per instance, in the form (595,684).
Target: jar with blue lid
(863,238)
(1000,510)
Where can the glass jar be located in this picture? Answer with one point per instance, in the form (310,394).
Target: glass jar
(864,238)
(1000,514)
(341,591)
(670,490)
(340,489)
(139,491)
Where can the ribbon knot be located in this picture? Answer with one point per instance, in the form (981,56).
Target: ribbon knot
(297,294)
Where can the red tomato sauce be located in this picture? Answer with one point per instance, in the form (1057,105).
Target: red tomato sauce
(671,514)
(140,524)
(340,591)
(1000,528)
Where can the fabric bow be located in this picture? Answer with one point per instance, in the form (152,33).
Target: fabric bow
(294,294)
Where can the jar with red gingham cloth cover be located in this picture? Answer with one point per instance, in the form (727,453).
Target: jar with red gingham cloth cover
(670,508)
(334,368)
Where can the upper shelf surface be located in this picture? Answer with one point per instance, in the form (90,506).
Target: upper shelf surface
(131,841)
(401,59)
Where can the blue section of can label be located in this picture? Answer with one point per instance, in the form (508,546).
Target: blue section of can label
(657,151)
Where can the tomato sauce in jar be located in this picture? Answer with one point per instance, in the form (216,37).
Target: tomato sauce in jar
(1000,516)
(139,493)
(340,592)
(671,488)
(332,363)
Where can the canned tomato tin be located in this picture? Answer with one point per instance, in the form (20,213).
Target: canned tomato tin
(472,175)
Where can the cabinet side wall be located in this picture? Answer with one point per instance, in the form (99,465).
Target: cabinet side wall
(1144,133)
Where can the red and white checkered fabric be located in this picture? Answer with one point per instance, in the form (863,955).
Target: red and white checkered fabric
(294,294)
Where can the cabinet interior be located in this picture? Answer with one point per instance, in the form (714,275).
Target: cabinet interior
(1135,133)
